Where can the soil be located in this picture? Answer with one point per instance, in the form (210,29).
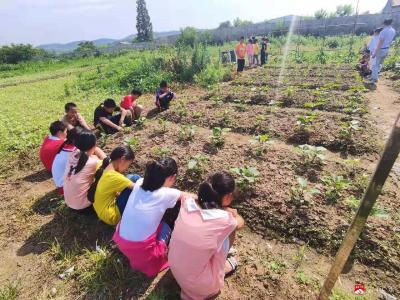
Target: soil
(286,251)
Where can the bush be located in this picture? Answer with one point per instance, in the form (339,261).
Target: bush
(211,75)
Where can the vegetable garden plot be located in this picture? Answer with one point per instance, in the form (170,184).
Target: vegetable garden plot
(325,98)
(334,131)
(272,199)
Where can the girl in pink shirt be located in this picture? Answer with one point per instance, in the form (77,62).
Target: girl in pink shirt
(79,172)
(250,52)
(203,234)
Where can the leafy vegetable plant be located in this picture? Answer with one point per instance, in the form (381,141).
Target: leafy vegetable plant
(187,132)
(312,155)
(247,177)
(133,142)
(218,136)
(336,185)
(197,164)
(301,194)
(260,143)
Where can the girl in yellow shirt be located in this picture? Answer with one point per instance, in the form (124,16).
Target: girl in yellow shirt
(111,189)
(256,49)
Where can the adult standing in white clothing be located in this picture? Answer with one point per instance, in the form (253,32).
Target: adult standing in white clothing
(382,49)
(373,43)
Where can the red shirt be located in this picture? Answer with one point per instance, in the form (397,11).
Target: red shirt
(128,102)
(48,151)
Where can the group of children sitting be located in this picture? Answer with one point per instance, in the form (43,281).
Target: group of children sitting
(157,225)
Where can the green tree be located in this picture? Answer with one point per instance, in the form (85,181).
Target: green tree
(206,37)
(14,54)
(321,14)
(143,24)
(238,22)
(86,49)
(188,37)
(225,24)
(344,10)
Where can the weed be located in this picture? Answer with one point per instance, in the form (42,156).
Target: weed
(10,291)
(260,144)
(288,95)
(133,142)
(227,117)
(187,132)
(277,266)
(247,177)
(300,256)
(181,109)
(197,164)
(218,136)
(198,115)
(260,119)
(348,129)
(301,194)
(301,278)
(163,126)
(335,185)
(162,151)
(353,203)
(67,91)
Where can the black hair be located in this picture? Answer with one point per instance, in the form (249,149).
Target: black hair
(84,141)
(250,41)
(388,22)
(136,92)
(69,105)
(378,30)
(157,171)
(118,153)
(57,126)
(212,191)
(163,84)
(109,103)
(72,136)
(242,37)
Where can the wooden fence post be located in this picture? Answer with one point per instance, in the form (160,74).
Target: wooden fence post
(382,171)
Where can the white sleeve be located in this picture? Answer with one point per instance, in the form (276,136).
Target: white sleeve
(171,197)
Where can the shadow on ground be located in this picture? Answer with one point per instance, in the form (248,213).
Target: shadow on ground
(38,176)
(100,273)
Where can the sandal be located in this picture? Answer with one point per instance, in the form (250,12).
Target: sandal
(232,252)
(234,264)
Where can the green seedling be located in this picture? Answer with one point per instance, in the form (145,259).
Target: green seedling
(312,156)
(336,185)
(260,144)
(133,142)
(162,151)
(187,132)
(197,164)
(301,194)
(140,122)
(218,136)
(248,177)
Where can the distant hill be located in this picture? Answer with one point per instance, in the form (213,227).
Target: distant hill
(68,47)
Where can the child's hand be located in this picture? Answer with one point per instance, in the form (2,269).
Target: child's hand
(232,211)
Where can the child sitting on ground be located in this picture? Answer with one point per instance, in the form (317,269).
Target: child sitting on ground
(363,64)
(164,96)
(79,172)
(109,123)
(129,103)
(52,143)
(73,118)
(111,189)
(203,235)
(145,228)
(60,161)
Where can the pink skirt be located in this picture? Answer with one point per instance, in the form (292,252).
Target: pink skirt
(149,257)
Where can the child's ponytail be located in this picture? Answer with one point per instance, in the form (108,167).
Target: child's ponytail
(97,176)
(212,191)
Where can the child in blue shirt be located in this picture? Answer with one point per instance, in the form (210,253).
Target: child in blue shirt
(164,96)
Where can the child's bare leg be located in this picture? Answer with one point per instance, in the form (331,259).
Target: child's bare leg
(137,111)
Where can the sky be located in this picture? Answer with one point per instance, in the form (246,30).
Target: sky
(59,21)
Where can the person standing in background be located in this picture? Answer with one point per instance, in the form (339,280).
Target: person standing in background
(250,52)
(263,51)
(382,49)
(267,46)
(240,51)
(256,49)
(372,45)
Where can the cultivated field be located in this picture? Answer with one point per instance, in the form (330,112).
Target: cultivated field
(301,141)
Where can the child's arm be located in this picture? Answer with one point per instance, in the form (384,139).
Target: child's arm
(239,219)
(123,116)
(109,123)
(99,153)
(82,121)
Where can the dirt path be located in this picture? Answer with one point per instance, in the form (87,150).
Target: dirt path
(384,104)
